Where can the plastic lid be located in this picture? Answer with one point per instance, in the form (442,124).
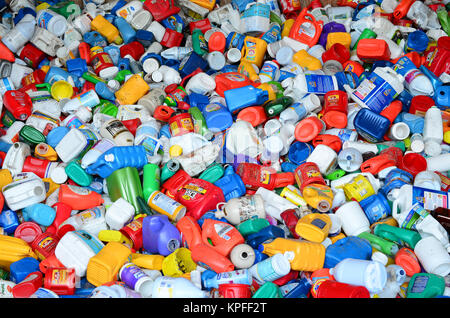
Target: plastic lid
(335,119)
(299,152)
(307,129)
(61,89)
(175,151)
(217,42)
(254,115)
(216,60)
(157,76)
(28,231)
(59,175)
(150,65)
(284,55)
(109,72)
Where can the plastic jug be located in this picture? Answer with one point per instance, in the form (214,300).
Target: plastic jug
(306,29)
(159,235)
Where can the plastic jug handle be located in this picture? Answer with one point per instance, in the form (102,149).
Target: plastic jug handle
(395,213)
(220,210)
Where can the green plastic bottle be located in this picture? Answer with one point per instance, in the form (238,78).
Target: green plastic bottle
(336,174)
(169,169)
(122,74)
(213,173)
(444,20)
(125,183)
(425,285)
(30,135)
(107,108)
(143,205)
(91,77)
(199,43)
(200,126)
(151,180)
(268,290)
(275,107)
(398,235)
(384,246)
(252,226)
(77,174)
(66,8)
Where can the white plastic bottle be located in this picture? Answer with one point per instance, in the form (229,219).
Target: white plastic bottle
(308,104)
(71,145)
(433,131)
(96,151)
(119,214)
(52,21)
(15,157)
(439,163)
(238,210)
(271,268)
(176,287)
(20,34)
(370,274)
(303,84)
(129,10)
(200,83)
(115,130)
(91,220)
(274,204)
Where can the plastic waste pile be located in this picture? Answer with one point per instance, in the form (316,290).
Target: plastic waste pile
(224,149)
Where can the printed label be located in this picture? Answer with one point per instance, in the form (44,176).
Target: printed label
(415,213)
(44,19)
(319,223)
(420,283)
(115,128)
(319,84)
(308,29)
(165,203)
(222,230)
(59,277)
(89,240)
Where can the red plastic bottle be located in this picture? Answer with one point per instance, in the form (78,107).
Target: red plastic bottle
(18,103)
(63,212)
(199,196)
(28,286)
(79,198)
(224,237)
(201,253)
(37,77)
(171,38)
(32,55)
(44,245)
(204,25)
(286,278)
(161,9)
(308,173)
(135,49)
(174,183)
(377,163)
(254,176)
(335,109)
(41,167)
(230,80)
(333,289)
(290,219)
(438,61)
(132,124)
(332,141)
(133,231)
(60,280)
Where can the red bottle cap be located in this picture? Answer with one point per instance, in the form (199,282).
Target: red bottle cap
(255,115)
(337,52)
(28,286)
(28,231)
(163,113)
(335,119)
(64,229)
(307,129)
(217,42)
(413,163)
(235,291)
(332,141)
(132,124)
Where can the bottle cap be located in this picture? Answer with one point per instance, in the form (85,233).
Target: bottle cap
(157,76)
(28,231)
(216,60)
(335,119)
(308,128)
(109,72)
(61,89)
(150,65)
(216,42)
(175,151)
(284,55)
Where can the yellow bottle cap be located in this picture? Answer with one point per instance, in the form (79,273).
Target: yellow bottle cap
(118,40)
(61,89)
(42,6)
(175,151)
(447,137)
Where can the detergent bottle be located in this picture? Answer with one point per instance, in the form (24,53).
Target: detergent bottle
(306,29)
(318,196)
(415,81)
(107,29)
(314,227)
(399,235)
(238,210)
(255,176)
(159,235)
(79,198)
(275,204)
(201,253)
(308,256)
(223,236)
(91,220)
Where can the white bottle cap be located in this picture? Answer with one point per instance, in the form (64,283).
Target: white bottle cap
(150,65)
(58,174)
(216,60)
(284,55)
(417,145)
(109,72)
(114,85)
(157,76)
(399,131)
(380,257)
(84,113)
(141,20)
(233,55)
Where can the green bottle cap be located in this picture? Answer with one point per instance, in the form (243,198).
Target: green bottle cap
(31,135)
(122,74)
(336,174)
(268,290)
(77,174)
(108,108)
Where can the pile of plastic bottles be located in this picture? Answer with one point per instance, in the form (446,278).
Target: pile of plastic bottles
(240,149)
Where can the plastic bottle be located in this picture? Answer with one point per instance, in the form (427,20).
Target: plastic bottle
(21,34)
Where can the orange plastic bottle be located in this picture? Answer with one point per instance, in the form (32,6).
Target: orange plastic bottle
(201,253)
(306,28)
(402,8)
(223,236)
(79,198)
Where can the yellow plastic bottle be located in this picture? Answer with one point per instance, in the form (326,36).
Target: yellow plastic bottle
(178,263)
(314,227)
(359,189)
(207,4)
(5,177)
(339,37)
(13,249)
(50,185)
(114,236)
(287,25)
(132,90)
(253,50)
(46,152)
(247,69)
(306,60)
(294,195)
(307,256)
(148,261)
(318,196)
(105,265)
(107,29)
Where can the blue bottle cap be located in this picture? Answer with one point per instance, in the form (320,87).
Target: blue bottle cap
(56,134)
(299,152)
(417,41)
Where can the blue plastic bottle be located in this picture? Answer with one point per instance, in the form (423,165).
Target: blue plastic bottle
(370,125)
(113,52)
(190,63)
(4,146)
(231,184)
(198,100)
(288,166)
(77,66)
(22,268)
(118,5)
(246,96)
(414,122)
(299,152)
(207,275)
(300,290)
(347,247)
(55,74)
(268,233)
(405,97)
(241,276)
(40,213)
(146,38)
(94,38)
(376,207)
(9,221)
(217,117)
(104,91)
(395,179)
(159,236)
(125,156)
(127,32)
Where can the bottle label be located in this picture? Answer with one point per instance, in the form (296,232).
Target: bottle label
(319,84)
(192,190)
(165,203)
(89,215)
(251,46)
(318,223)
(375,93)
(115,128)
(89,240)
(415,213)
(79,190)
(308,29)
(44,19)
(420,283)
(59,277)
(413,75)
(222,230)
(247,209)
